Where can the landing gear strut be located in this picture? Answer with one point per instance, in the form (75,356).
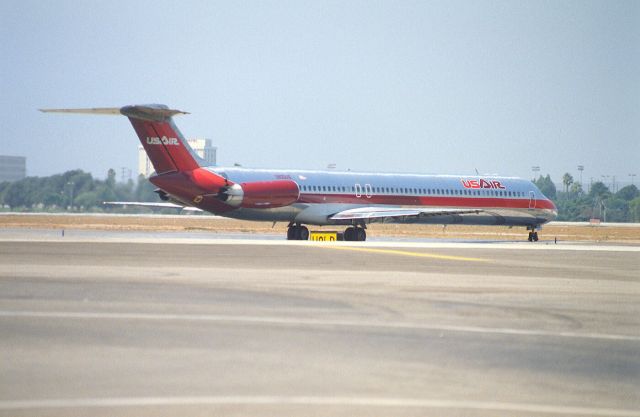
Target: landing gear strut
(355,233)
(297,232)
(533,235)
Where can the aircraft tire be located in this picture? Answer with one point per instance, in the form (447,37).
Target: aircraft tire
(303,233)
(349,234)
(361,235)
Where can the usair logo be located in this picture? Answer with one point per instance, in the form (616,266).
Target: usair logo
(154,140)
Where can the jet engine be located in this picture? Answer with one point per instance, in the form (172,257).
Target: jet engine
(261,194)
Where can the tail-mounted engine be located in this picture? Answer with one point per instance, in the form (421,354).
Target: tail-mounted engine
(260,194)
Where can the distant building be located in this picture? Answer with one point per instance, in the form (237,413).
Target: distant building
(201,146)
(12,168)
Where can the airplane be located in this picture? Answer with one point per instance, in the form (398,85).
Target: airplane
(320,198)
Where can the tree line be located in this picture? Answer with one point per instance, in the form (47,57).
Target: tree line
(73,191)
(575,204)
(78,191)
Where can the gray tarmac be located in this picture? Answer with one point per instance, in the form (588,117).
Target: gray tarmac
(151,325)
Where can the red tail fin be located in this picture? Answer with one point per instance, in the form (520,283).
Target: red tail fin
(161,139)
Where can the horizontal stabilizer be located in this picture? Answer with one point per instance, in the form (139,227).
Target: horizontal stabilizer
(115,111)
(159,136)
(151,112)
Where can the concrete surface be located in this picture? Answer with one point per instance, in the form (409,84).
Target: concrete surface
(177,327)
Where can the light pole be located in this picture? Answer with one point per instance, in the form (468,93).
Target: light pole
(535,170)
(632,175)
(71,183)
(581,168)
(604,180)
(613,184)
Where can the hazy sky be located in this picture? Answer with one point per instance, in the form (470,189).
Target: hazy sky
(424,86)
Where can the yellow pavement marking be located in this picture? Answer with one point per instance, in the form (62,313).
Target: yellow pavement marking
(407,253)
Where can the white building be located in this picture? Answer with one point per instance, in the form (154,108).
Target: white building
(201,146)
(12,168)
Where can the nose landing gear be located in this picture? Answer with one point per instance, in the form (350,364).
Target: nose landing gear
(533,235)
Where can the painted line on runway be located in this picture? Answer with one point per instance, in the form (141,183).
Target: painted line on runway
(166,240)
(316,401)
(407,253)
(287,321)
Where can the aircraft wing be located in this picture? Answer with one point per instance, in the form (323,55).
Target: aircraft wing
(380,214)
(151,205)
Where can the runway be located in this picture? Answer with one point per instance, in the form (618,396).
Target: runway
(116,324)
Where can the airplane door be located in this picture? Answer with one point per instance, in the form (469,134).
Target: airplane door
(532,200)
(368,190)
(358,190)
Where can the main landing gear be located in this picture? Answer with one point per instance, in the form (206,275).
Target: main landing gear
(352,234)
(297,232)
(357,234)
(533,235)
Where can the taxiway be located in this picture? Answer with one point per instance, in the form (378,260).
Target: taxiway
(119,325)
